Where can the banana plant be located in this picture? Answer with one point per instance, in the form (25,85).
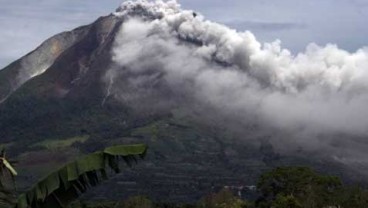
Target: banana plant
(66,184)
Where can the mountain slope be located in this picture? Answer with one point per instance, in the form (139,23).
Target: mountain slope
(67,85)
(37,61)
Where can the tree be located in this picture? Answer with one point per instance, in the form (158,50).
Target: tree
(299,184)
(224,199)
(286,202)
(138,202)
(353,197)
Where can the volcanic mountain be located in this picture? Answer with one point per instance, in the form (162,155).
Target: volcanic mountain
(214,106)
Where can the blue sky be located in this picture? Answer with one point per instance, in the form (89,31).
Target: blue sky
(25,24)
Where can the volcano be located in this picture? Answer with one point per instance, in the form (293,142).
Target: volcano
(215,107)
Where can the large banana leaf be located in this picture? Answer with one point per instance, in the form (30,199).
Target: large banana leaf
(66,184)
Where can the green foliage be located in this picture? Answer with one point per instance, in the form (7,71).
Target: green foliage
(79,204)
(223,199)
(66,184)
(137,202)
(151,130)
(346,197)
(286,202)
(353,197)
(303,187)
(7,197)
(287,181)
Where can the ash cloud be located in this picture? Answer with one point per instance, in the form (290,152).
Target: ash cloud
(164,51)
(266,26)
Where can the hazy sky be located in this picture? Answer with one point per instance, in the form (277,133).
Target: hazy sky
(24,24)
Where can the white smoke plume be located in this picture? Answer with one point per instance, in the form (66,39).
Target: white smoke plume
(323,90)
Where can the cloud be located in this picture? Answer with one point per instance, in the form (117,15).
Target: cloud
(165,54)
(265,26)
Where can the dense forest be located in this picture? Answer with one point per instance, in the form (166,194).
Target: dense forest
(283,187)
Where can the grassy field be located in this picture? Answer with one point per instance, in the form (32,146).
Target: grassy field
(62,143)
